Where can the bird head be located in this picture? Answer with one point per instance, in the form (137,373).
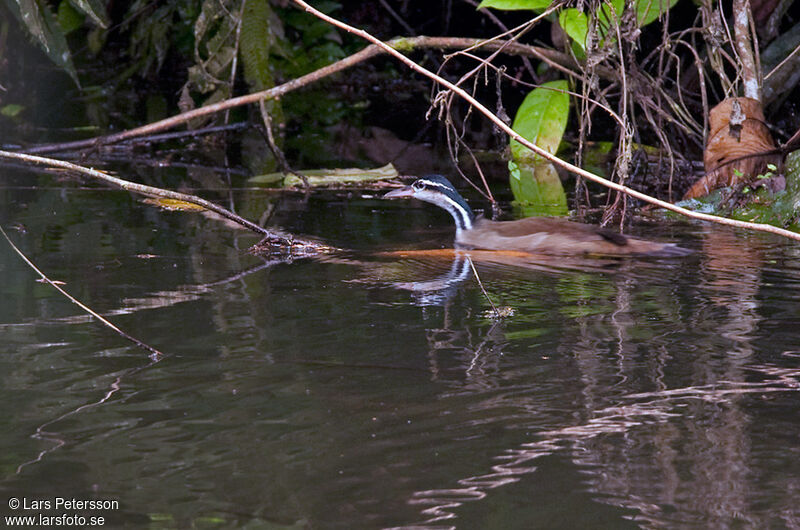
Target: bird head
(438,190)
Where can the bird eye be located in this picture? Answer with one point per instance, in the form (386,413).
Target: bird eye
(418,185)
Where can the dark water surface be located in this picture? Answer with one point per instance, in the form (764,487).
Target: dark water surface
(373,391)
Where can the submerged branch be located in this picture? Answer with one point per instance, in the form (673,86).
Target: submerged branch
(272,240)
(142,189)
(155,354)
(535,148)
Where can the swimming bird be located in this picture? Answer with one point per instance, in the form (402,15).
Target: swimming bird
(534,235)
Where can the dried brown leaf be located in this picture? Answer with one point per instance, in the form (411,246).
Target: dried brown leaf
(739,147)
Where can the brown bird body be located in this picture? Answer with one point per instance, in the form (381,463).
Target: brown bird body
(534,235)
(547,235)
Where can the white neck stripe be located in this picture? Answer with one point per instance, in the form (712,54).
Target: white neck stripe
(462,217)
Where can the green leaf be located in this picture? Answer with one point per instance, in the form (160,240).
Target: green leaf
(575,23)
(68,18)
(514,5)
(646,11)
(11,110)
(43,27)
(538,190)
(609,14)
(94,9)
(256,40)
(542,119)
(513,170)
(611,10)
(649,10)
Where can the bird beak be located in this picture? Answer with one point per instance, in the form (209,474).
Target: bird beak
(400,193)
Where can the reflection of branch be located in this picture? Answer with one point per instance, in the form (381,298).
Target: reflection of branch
(630,412)
(514,463)
(155,357)
(42,434)
(159,300)
(535,148)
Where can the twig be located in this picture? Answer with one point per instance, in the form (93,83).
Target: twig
(743,45)
(177,135)
(782,63)
(235,60)
(499,23)
(269,137)
(397,17)
(480,284)
(535,148)
(155,354)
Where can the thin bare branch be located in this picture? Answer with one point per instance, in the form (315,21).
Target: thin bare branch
(744,49)
(149,191)
(483,290)
(155,354)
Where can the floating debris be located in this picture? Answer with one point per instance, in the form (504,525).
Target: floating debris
(499,312)
(290,246)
